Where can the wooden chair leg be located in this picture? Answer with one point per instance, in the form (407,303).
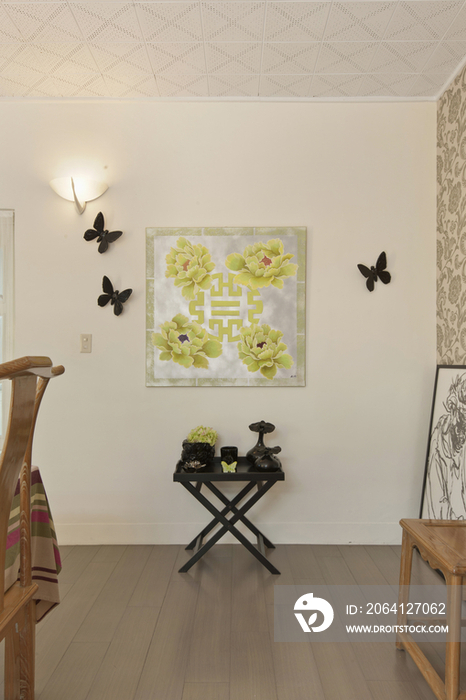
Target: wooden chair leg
(20,656)
(405,580)
(27,649)
(453,648)
(12,664)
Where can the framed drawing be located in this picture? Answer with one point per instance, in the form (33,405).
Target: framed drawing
(444,487)
(225,306)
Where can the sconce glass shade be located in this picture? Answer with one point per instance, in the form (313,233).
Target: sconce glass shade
(78,190)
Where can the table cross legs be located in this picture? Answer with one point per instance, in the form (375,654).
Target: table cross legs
(238,514)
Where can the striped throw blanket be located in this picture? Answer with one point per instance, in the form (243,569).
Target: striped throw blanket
(45,557)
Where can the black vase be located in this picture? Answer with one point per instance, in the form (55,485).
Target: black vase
(268,462)
(197,451)
(258,450)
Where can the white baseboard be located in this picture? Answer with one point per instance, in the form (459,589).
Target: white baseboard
(182,533)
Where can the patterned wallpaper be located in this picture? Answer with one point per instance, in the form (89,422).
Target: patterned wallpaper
(451,223)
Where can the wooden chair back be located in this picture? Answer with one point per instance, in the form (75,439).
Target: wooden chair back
(29,377)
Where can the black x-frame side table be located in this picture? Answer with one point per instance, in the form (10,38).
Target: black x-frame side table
(263,481)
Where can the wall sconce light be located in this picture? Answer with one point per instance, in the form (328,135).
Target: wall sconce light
(78,190)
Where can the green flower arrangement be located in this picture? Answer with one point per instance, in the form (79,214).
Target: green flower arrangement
(186,342)
(260,348)
(191,266)
(203,434)
(262,265)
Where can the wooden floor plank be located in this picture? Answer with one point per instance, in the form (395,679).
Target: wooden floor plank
(74,674)
(252,669)
(388,690)
(336,572)
(325,550)
(339,672)
(248,606)
(362,566)
(206,691)
(119,674)
(65,549)
(382,661)
(279,558)
(76,561)
(296,674)
(53,639)
(108,609)
(110,552)
(162,676)
(193,650)
(209,654)
(152,584)
(304,565)
(252,673)
(386,561)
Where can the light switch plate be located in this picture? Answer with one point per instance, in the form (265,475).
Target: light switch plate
(86,342)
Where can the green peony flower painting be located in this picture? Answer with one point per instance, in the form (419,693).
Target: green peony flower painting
(191,266)
(262,265)
(186,342)
(261,348)
(211,293)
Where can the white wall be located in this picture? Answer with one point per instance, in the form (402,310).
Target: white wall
(361,177)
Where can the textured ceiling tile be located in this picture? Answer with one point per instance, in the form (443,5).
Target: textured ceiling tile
(335,85)
(233,58)
(22,54)
(78,75)
(51,55)
(233,21)
(402,56)
(427,86)
(23,73)
(345,57)
(12,88)
(66,88)
(457,30)
(183,86)
(446,57)
(107,56)
(145,88)
(128,72)
(176,58)
(295,21)
(43,88)
(290,58)
(44,21)
(107,21)
(170,21)
(422,19)
(8,31)
(139,48)
(233,85)
(387,85)
(131,66)
(9,51)
(96,87)
(358,21)
(284,86)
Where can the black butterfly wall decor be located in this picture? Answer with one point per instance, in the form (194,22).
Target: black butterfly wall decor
(103,237)
(116,298)
(372,274)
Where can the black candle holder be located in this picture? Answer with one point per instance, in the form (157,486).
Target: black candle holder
(229,454)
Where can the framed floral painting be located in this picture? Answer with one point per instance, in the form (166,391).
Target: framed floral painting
(225,306)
